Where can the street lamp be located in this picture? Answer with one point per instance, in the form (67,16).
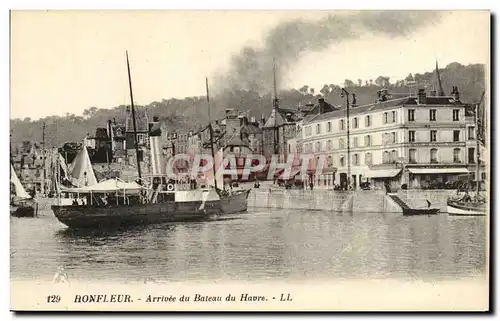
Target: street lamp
(345,93)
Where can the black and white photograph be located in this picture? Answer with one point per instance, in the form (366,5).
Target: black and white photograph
(168,160)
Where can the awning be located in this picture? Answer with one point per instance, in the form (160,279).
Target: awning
(438,170)
(380,173)
(108,186)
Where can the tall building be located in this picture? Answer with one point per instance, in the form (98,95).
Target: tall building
(424,135)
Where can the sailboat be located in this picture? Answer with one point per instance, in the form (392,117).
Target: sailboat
(467,205)
(115,203)
(21,203)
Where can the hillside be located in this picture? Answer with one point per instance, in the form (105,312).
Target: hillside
(191,112)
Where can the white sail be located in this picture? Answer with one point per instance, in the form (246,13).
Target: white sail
(81,171)
(63,165)
(18,187)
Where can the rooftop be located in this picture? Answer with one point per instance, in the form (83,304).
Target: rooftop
(388,104)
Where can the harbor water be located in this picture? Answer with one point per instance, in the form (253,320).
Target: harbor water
(263,244)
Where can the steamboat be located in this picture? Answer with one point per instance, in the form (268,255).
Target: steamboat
(154,199)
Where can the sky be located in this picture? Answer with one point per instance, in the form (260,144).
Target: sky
(67,61)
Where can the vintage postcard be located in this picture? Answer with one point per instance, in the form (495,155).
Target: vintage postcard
(249,160)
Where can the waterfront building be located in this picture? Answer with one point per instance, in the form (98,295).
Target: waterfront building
(412,140)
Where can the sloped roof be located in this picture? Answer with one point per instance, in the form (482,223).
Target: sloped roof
(275,120)
(237,141)
(251,129)
(381,106)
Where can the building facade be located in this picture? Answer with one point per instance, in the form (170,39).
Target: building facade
(415,140)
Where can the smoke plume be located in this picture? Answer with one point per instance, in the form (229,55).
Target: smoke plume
(252,68)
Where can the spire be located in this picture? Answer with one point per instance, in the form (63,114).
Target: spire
(276,99)
(441,91)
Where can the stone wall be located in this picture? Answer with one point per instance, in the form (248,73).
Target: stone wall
(358,201)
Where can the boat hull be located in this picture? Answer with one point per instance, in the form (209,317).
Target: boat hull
(236,203)
(23,211)
(457,209)
(112,216)
(420,211)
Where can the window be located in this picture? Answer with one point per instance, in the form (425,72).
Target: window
(394,116)
(456,135)
(318,146)
(368,159)
(355,159)
(394,156)
(308,131)
(342,125)
(411,136)
(470,135)
(434,155)
(386,115)
(341,143)
(433,135)
(456,113)
(471,157)
(329,144)
(289,149)
(456,155)
(412,159)
(368,140)
(432,115)
(329,126)
(483,176)
(411,114)
(386,158)
(368,121)
(355,141)
(342,162)
(355,121)
(394,138)
(318,129)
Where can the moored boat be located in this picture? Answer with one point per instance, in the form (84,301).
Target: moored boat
(462,208)
(420,211)
(114,203)
(467,205)
(21,204)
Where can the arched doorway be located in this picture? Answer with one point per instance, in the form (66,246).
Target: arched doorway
(343,180)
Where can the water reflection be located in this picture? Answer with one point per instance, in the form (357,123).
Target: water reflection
(255,246)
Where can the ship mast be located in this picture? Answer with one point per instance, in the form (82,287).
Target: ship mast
(136,143)
(211,136)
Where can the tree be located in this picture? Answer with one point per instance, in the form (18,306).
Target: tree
(90,112)
(325,90)
(304,89)
(409,77)
(382,81)
(348,83)
(311,90)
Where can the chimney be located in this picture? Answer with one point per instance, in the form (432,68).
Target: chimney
(353,100)
(321,105)
(455,93)
(422,97)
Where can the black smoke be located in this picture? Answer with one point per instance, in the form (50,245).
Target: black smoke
(251,69)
